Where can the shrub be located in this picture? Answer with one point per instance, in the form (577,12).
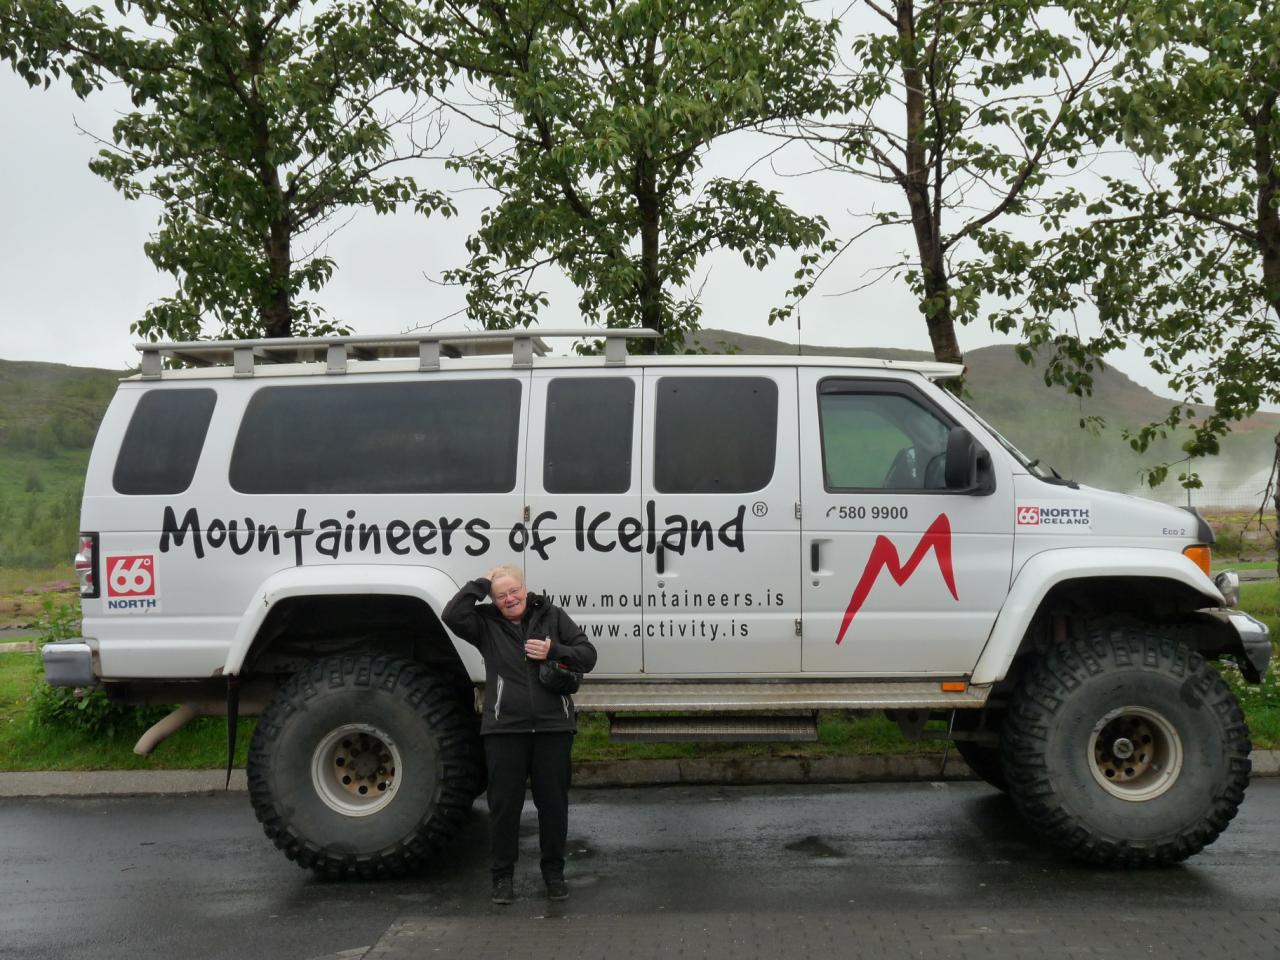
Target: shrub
(1228,542)
(85,710)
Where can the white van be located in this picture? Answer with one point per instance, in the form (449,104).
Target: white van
(277,526)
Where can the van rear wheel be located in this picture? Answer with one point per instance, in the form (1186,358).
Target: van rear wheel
(1126,748)
(364,766)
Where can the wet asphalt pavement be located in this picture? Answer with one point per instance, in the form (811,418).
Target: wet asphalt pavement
(194,877)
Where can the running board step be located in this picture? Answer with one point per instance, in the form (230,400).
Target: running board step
(711,729)
(712,696)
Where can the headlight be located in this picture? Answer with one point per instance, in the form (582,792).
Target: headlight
(1228,582)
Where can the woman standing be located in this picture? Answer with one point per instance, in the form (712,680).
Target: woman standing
(527,729)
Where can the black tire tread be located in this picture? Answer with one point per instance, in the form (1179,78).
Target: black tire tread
(1044,693)
(436,701)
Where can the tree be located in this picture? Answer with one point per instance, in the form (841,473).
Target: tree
(601,113)
(1183,257)
(970,113)
(257,121)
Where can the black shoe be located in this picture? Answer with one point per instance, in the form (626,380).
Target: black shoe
(503,891)
(557,889)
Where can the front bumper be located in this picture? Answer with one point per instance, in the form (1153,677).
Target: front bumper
(1254,639)
(68,663)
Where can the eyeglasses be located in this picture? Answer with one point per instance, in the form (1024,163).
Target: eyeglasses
(510,593)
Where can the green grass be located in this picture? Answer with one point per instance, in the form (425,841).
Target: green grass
(1262,599)
(1243,565)
(14,580)
(27,746)
(20,608)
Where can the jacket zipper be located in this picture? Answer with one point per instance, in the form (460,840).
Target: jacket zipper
(565,702)
(531,675)
(497,703)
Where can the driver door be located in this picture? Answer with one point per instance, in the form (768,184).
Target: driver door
(902,577)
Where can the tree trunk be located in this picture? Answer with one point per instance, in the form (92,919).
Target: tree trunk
(1268,215)
(650,275)
(924,219)
(1276,500)
(646,189)
(277,310)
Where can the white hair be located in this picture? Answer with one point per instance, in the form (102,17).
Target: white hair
(506,570)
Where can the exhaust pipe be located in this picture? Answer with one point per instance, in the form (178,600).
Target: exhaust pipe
(160,731)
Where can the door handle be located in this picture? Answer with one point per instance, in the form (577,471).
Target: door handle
(815,556)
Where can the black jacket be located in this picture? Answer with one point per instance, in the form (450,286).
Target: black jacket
(515,701)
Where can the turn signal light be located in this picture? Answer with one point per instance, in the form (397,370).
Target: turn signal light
(1200,555)
(954,686)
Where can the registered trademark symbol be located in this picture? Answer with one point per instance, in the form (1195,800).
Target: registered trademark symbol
(759,508)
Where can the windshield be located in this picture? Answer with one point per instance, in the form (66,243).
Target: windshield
(1034,467)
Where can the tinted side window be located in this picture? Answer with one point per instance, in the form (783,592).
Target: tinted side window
(588,443)
(421,437)
(162,444)
(715,434)
(881,441)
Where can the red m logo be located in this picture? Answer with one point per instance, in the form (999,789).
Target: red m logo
(884,555)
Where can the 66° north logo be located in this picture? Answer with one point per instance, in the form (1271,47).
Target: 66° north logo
(1028,516)
(131,576)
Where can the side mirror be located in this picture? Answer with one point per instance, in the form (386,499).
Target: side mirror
(961,471)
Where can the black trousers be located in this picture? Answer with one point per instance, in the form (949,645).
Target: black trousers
(514,759)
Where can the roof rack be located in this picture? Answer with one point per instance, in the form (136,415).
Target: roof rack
(246,355)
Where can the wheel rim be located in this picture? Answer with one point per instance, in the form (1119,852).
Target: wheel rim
(1135,753)
(356,769)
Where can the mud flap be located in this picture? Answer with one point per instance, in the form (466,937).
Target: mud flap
(233,713)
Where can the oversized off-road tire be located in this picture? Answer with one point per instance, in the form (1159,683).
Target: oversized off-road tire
(363,766)
(1125,748)
(984,759)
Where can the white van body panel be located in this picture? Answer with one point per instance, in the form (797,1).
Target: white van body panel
(908,582)
(596,588)
(1053,516)
(717,608)
(1051,567)
(210,548)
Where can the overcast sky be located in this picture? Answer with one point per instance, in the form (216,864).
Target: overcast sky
(74,275)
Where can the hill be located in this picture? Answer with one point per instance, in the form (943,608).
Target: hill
(49,414)
(45,407)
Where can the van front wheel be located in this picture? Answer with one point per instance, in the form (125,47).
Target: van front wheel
(1126,748)
(363,766)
